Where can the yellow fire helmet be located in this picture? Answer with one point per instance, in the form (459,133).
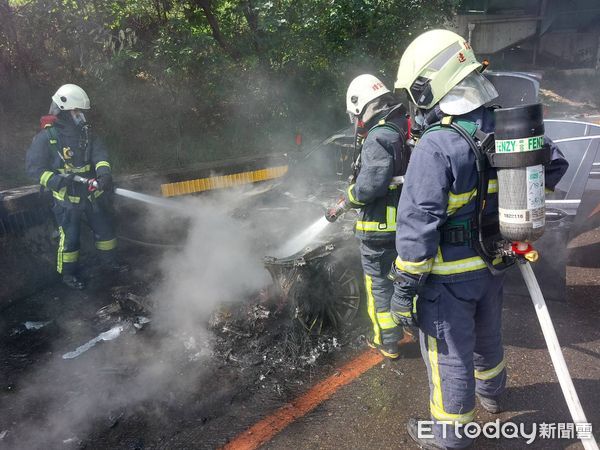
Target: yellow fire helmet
(435,63)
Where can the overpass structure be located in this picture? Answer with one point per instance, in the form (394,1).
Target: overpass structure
(544,33)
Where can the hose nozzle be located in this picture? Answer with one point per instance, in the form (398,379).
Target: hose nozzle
(336,210)
(91,183)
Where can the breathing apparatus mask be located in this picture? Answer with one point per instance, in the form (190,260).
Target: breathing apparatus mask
(78,118)
(76,115)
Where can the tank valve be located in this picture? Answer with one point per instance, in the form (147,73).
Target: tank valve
(525,250)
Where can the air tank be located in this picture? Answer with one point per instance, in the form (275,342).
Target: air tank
(521,190)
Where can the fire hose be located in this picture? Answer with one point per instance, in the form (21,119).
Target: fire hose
(558,360)
(519,157)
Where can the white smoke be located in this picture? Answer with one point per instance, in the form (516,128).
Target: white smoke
(217,263)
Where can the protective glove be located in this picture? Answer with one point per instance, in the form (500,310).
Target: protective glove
(404,305)
(105,182)
(335,211)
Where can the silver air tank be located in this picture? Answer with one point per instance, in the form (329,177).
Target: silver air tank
(521,190)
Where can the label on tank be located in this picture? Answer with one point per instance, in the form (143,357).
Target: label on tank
(517,216)
(519,145)
(535,195)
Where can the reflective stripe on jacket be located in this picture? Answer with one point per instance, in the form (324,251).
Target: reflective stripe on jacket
(60,149)
(384,155)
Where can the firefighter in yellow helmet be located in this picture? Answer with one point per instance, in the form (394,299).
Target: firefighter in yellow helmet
(441,283)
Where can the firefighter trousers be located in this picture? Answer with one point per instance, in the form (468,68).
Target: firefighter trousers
(68,219)
(377,259)
(461,344)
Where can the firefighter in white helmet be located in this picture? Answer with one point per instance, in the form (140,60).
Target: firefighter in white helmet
(381,158)
(442,284)
(64,149)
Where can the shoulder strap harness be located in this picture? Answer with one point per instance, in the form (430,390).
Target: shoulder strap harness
(481,144)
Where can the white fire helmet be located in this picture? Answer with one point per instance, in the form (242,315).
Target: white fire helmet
(71,96)
(362,90)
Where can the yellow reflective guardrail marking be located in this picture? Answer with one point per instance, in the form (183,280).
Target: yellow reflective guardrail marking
(222,181)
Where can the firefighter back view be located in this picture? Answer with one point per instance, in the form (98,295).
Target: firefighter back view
(62,154)
(382,156)
(444,282)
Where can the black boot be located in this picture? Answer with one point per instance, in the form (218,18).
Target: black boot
(492,405)
(73,281)
(390,351)
(112,263)
(118,267)
(412,427)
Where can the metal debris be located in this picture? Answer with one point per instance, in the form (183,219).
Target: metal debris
(259,312)
(109,335)
(35,325)
(29,326)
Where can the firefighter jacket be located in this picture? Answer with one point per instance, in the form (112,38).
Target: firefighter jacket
(440,185)
(384,155)
(64,148)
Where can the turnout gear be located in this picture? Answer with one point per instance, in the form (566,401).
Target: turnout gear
(436,240)
(377,259)
(459,301)
(60,156)
(461,345)
(404,301)
(404,307)
(382,157)
(105,182)
(449,197)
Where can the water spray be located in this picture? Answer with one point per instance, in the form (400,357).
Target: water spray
(303,239)
(92,185)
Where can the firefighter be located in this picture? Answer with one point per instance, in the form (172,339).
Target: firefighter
(65,149)
(380,138)
(442,285)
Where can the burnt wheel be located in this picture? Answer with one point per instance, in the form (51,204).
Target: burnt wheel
(329,296)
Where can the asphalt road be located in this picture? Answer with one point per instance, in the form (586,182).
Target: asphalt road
(372,412)
(158,389)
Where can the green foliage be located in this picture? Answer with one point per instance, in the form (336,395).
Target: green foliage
(174,82)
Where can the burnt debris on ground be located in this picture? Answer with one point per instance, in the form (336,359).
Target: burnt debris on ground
(138,388)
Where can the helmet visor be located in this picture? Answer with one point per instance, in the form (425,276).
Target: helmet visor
(54,109)
(471,93)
